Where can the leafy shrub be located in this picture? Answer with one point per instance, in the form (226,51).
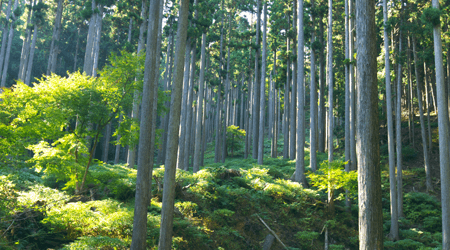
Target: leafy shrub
(424,209)
(307,238)
(406,244)
(235,137)
(93,218)
(96,242)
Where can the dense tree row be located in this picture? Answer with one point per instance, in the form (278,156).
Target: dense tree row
(213,66)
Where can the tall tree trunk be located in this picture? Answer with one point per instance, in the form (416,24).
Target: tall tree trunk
(89,54)
(25,46)
(322,115)
(313,99)
(293,100)
(422,121)
(398,128)
(106,145)
(98,36)
(393,235)
(347,90)
(201,83)
(165,238)
(411,96)
(262,93)
(352,89)
(5,37)
(286,98)
(444,138)
(145,158)
(256,84)
(190,112)
(300,144)
(29,66)
(369,173)
(427,105)
(274,119)
(8,49)
(330,80)
(54,46)
(131,158)
(187,61)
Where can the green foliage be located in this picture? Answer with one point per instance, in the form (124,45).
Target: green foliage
(97,242)
(431,16)
(235,137)
(423,209)
(306,238)
(93,218)
(332,176)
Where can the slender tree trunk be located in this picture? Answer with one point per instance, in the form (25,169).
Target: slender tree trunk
(411,96)
(190,112)
(256,85)
(145,158)
(5,37)
(54,46)
(165,238)
(76,51)
(369,173)
(393,235)
(347,91)
(286,98)
(25,47)
(293,100)
(201,83)
(427,104)
(184,104)
(352,89)
(89,54)
(226,108)
(262,93)
(321,118)
(300,143)
(422,121)
(313,98)
(106,146)
(8,49)
(444,138)
(98,36)
(398,129)
(330,80)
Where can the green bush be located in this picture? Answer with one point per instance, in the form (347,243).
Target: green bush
(406,244)
(96,242)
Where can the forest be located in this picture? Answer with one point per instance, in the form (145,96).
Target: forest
(225,124)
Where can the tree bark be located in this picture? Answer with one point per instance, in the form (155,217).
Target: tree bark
(321,118)
(393,235)
(398,128)
(8,49)
(300,143)
(165,238)
(201,83)
(330,80)
(54,46)
(444,138)
(256,86)
(262,93)
(313,99)
(131,158)
(422,120)
(145,158)
(106,145)
(25,47)
(369,172)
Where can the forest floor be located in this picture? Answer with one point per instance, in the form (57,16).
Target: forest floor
(227,205)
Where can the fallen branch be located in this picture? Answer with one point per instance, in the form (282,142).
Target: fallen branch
(8,228)
(276,236)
